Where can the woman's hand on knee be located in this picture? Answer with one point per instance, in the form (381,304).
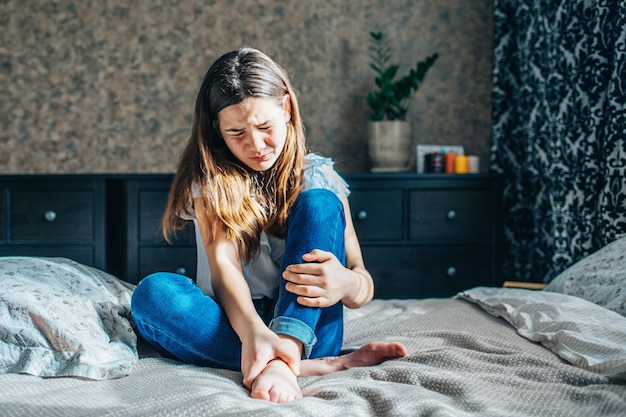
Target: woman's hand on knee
(322,281)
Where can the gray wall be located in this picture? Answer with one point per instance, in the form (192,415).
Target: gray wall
(91,86)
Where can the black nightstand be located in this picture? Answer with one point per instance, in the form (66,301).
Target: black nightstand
(428,235)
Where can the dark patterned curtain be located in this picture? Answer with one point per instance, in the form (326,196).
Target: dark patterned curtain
(559,137)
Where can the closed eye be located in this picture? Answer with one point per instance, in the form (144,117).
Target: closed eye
(235,133)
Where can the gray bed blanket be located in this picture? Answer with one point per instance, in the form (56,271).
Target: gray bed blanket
(462,362)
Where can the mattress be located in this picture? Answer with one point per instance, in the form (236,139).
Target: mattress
(463,361)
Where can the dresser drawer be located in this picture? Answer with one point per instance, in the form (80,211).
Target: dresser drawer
(151,206)
(419,272)
(166,259)
(51,215)
(54,216)
(451,215)
(377,214)
(145,250)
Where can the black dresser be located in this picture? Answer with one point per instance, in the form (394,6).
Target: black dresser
(428,235)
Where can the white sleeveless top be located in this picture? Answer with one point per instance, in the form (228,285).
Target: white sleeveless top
(263,273)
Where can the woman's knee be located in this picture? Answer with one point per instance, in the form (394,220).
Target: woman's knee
(159,291)
(319,203)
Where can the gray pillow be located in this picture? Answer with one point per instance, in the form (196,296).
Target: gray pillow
(599,278)
(62,318)
(565,324)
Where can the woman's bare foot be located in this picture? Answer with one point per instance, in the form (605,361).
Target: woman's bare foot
(277,383)
(370,354)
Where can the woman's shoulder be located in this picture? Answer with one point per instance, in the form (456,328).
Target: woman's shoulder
(316,162)
(320,173)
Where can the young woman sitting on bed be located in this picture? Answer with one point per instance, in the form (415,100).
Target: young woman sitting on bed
(278,254)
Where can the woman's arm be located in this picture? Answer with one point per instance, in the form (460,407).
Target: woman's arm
(323,281)
(363,290)
(259,344)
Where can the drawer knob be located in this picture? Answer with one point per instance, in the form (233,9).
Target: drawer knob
(362,215)
(181,270)
(50,215)
(451,271)
(451,215)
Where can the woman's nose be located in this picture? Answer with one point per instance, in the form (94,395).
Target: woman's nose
(257,141)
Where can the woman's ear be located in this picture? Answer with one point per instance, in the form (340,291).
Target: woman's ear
(287,106)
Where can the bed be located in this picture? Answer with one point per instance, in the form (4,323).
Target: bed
(68,348)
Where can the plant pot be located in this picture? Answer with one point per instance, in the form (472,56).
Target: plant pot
(389,143)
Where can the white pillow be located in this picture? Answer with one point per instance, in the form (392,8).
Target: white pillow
(582,333)
(61,318)
(599,277)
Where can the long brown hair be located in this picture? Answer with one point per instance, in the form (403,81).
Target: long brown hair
(241,202)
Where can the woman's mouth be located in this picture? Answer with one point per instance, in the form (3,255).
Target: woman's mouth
(260,158)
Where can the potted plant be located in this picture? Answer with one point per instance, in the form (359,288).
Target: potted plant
(389,133)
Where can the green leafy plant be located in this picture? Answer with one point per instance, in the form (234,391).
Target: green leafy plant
(393,98)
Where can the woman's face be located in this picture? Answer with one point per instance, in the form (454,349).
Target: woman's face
(255,130)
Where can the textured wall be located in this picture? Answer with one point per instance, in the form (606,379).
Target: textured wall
(91,86)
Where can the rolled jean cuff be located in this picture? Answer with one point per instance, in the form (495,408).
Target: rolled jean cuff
(296,329)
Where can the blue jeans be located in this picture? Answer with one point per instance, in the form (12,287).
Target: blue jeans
(173,315)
